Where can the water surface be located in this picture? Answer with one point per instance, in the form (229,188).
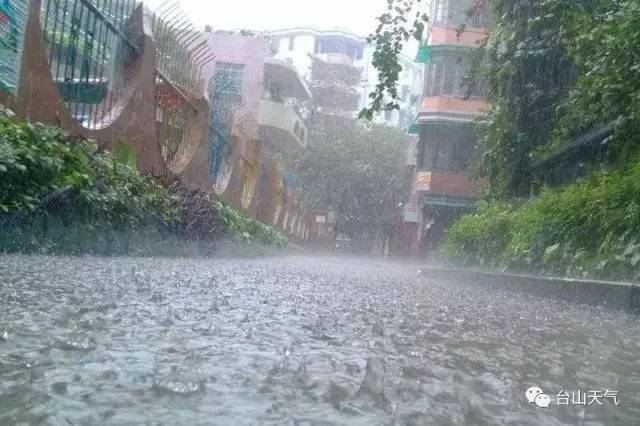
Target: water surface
(295,341)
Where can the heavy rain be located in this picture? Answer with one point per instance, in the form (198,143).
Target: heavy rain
(296,341)
(304,212)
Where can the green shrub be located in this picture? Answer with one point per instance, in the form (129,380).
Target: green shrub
(243,228)
(61,194)
(51,181)
(591,228)
(480,238)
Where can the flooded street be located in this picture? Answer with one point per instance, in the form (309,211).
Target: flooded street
(296,341)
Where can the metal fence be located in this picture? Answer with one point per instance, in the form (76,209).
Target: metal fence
(171,117)
(225,100)
(181,51)
(13,21)
(89,48)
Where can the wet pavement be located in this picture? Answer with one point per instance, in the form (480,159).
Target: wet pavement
(298,341)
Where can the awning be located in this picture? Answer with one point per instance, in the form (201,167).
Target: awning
(285,79)
(424,52)
(455,202)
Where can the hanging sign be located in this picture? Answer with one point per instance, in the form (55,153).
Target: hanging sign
(423,181)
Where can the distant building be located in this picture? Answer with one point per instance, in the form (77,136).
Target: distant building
(442,188)
(300,45)
(253,122)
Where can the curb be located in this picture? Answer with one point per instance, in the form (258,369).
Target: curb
(609,294)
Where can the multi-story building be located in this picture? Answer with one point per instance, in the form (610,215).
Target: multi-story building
(300,45)
(443,188)
(340,48)
(252,122)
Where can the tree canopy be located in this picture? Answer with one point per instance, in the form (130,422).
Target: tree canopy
(351,166)
(355,168)
(554,69)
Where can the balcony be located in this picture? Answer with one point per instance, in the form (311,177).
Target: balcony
(283,78)
(450,36)
(450,108)
(281,127)
(336,58)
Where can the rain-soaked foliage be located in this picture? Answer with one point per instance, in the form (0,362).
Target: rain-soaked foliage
(352,167)
(586,229)
(59,193)
(554,69)
(558,70)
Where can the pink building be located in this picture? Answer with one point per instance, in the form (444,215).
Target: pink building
(253,121)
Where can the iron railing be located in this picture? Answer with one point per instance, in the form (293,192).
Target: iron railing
(171,117)
(225,100)
(13,21)
(181,51)
(90,51)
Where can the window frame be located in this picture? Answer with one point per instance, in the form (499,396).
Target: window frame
(234,72)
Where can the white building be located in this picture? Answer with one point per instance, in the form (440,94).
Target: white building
(299,45)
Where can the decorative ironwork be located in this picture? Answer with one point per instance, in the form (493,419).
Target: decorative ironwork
(181,52)
(13,21)
(225,101)
(171,118)
(181,49)
(90,53)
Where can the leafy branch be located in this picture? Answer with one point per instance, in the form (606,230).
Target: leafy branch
(404,19)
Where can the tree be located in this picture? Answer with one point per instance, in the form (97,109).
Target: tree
(357,169)
(350,166)
(333,87)
(529,65)
(404,19)
(529,72)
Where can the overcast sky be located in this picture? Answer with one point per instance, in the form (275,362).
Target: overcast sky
(358,16)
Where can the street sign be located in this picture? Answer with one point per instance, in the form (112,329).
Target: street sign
(423,181)
(411,213)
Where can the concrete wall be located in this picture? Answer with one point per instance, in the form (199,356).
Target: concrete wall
(38,99)
(456,183)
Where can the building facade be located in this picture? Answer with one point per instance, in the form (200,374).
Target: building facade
(212,110)
(253,122)
(299,45)
(442,188)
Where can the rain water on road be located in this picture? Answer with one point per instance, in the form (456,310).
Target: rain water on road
(296,341)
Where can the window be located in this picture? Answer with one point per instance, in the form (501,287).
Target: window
(229,75)
(436,76)
(481,17)
(338,45)
(441,11)
(449,147)
(446,77)
(474,13)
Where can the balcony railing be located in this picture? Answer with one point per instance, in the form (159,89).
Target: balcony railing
(281,126)
(437,108)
